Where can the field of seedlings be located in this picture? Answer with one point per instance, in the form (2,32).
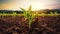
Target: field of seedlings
(29,23)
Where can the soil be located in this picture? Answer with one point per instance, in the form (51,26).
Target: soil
(40,25)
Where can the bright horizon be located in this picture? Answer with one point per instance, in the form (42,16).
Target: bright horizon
(36,4)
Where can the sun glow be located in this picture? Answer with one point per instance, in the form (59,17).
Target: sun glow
(37,6)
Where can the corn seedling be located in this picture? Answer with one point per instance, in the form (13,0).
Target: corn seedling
(14,14)
(51,14)
(55,13)
(30,16)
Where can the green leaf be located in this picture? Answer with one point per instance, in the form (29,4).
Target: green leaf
(22,9)
(30,8)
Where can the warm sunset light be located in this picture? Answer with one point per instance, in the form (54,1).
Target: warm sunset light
(36,4)
(29,16)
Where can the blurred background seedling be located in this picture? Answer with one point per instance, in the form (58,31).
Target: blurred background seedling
(14,14)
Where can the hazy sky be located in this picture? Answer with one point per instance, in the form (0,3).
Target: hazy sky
(36,4)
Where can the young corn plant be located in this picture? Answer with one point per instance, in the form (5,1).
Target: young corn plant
(55,13)
(14,14)
(29,15)
(51,14)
